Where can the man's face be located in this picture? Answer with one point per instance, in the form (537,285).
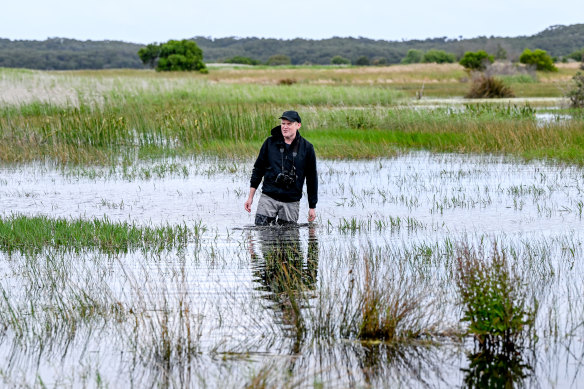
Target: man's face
(289,128)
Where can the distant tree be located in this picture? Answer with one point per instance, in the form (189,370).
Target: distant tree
(413,56)
(149,54)
(338,60)
(538,58)
(476,60)
(501,52)
(362,61)
(182,55)
(438,56)
(242,60)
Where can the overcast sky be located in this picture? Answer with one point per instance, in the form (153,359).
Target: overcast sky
(146,21)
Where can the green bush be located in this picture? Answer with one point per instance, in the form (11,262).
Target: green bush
(438,56)
(538,58)
(242,60)
(338,60)
(413,56)
(149,54)
(173,55)
(362,61)
(476,60)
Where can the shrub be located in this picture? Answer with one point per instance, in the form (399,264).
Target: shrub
(540,59)
(413,56)
(338,60)
(576,94)
(495,305)
(362,61)
(476,60)
(287,81)
(484,86)
(279,59)
(242,60)
(438,56)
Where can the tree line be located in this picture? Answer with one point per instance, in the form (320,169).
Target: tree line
(561,42)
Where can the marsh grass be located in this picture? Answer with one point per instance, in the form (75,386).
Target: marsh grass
(391,223)
(132,118)
(142,132)
(166,328)
(24,233)
(374,305)
(392,317)
(127,116)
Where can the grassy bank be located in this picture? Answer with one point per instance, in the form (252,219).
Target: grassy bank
(151,129)
(102,117)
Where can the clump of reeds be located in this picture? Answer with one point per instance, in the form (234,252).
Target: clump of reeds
(33,233)
(487,87)
(391,308)
(495,300)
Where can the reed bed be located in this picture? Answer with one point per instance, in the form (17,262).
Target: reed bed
(24,233)
(151,129)
(108,116)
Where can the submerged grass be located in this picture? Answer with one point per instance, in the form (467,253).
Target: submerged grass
(24,233)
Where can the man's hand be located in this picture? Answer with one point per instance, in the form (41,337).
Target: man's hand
(311,214)
(248,203)
(249,200)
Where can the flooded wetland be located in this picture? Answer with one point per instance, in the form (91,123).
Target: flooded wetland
(127,258)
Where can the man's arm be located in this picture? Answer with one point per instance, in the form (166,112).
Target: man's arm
(311,184)
(311,179)
(259,169)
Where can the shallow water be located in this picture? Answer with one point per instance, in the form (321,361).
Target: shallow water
(224,291)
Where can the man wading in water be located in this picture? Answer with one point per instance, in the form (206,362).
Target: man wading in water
(284,161)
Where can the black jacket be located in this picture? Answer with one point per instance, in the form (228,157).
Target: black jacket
(269,164)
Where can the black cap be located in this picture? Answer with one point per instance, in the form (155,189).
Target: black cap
(291,116)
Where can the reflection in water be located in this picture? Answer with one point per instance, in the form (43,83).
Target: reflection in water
(498,366)
(282,272)
(413,365)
